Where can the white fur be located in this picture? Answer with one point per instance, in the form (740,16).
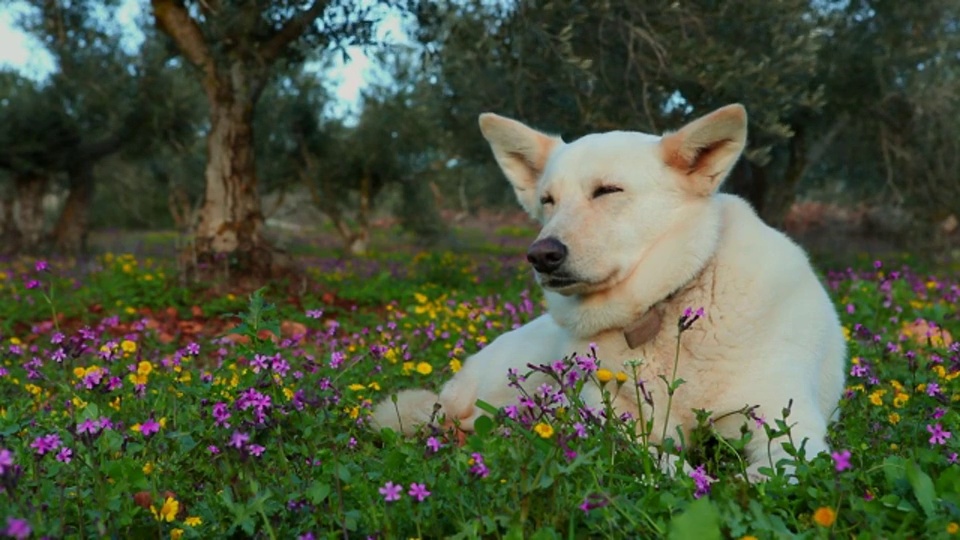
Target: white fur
(667,241)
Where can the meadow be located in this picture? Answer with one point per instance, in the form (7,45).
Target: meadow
(136,406)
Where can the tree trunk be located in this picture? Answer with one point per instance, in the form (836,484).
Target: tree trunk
(229,229)
(9,233)
(780,199)
(30,188)
(73,225)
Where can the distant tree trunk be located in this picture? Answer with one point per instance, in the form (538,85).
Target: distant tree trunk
(749,180)
(230,221)
(780,199)
(30,188)
(9,233)
(73,226)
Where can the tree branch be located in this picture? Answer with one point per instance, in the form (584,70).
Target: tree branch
(173,19)
(293,29)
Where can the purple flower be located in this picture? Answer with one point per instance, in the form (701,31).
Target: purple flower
(841,460)
(193,348)
(238,439)
(256,449)
(478,467)
(702,481)
(580,430)
(418,491)
(937,434)
(433,444)
(46,443)
(41,265)
(65,455)
(391,492)
(6,460)
(17,528)
(213,449)
(314,313)
(149,427)
(933,389)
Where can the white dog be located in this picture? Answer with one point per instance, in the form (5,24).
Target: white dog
(634,233)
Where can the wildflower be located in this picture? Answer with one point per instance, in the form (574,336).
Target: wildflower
(702,481)
(477,466)
(213,449)
(128,346)
(841,460)
(176,534)
(604,375)
(391,492)
(168,512)
(418,491)
(544,430)
(256,449)
(433,444)
(64,455)
(238,439)
(621,377)
(193,521)
(41,265)
(580,430)
(314,313)
(937,434)
(149,427)
(894,418)
(17,528)
(6,460)
(424,368)
(46,443)
(953,527)
(824,516)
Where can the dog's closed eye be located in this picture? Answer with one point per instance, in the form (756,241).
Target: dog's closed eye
(600,191)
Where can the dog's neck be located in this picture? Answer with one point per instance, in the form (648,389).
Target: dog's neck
(672,262)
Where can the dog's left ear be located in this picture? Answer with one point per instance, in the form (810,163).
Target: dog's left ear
(705,150)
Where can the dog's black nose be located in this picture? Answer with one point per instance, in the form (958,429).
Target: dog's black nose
(547,255)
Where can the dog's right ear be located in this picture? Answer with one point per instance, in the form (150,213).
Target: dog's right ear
(522,154)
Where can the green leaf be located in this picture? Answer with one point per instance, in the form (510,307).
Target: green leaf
(483,426)
(922,487)
(700,521)
(318,492)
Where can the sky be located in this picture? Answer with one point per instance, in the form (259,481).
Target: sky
(346,79)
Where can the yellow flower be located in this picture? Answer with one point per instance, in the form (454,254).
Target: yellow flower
(846,333)
(894,418)
(144,368)
(824,516)
(604,375)
(407,368)
(176,534)
(192,521)
(420,298)
(953,527)
(424,368)
(748,537)
(167,512)
(621,377)
(455,365)
(79,372)
(32,388)
(135,427)
(148,467)
(900,399)
(375,386)
(78,403)
(356,387)
(876,397)
(544,430)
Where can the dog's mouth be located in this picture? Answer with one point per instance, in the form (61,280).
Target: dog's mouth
(558,283)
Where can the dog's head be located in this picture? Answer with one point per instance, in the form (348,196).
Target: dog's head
(605,199)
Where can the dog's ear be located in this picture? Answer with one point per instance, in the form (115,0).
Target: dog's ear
(705,150)
(521,152)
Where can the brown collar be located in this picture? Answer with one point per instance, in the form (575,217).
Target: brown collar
(645,329)
(649,324)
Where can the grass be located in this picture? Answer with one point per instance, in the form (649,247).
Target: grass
(146,409)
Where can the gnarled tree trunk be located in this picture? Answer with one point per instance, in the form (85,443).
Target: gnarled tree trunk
(73,225)
(229,229)
(30,188)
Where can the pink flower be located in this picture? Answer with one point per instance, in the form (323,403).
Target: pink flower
(937,434)
(391,492)
(149,427)
(702,481)
(6,460)
(418,491)
(65,455)
(841,460)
